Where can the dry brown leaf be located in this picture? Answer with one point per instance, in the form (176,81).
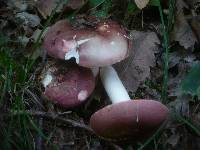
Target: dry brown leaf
(23,40)
(141,3)
(182,32)
(182,63)
(179,56)
(195,4)
(36,34)
(180,5)
(45,7)
(19,5)
(173,140)
(27,19)
(181,105)
(196,27)
(174,82)
(136,68)
(75,4)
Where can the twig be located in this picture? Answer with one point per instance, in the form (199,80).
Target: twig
(190,17)
(165,54)
(54,117)
(40,106)
(153,136)
(35,98)
(114,146)
(39,138)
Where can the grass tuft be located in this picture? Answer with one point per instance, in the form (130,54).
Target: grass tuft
(17,132)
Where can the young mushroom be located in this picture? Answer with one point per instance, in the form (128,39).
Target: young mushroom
(67,85)
(125,119)
(102,45)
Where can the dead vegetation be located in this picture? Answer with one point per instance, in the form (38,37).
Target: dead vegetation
(163,65)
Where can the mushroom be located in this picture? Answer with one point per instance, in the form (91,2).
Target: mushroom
(125,119)
(104,44)
(67,85)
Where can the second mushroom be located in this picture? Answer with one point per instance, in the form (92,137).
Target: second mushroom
(125,119)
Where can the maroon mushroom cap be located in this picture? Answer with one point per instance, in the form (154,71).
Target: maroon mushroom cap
(68,85)
(130,120)
(102,45)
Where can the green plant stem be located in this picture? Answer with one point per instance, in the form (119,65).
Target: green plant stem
(152,137)
(189,124)
(165,55)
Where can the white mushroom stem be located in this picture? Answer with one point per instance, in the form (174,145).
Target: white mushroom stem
(95,71)
(113,85)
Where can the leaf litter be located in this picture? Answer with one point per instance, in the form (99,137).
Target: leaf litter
(136,68)
(141,73)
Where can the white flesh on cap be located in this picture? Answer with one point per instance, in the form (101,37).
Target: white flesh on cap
(113,85)
(47,80)
(95,71)
(73,53)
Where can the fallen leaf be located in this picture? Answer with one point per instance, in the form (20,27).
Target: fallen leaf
(20,5)
(173,140)
(195,23)
(28,19)
(185,62)
(177,56)
(141,3)
(36,34)
(195,4)
(31,51)
(180,5)
(45,7)
(136,68)
(75,4)
(23,40)
(183,33)
(191,83)
(181,105)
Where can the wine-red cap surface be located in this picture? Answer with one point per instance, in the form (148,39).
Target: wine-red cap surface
(133,119)
(68,85)
(102,45)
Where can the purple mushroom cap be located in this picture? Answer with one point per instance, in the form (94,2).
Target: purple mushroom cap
(68,85)
(104,44)
(129,120)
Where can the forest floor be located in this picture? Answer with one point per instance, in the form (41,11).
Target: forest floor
(163,65)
